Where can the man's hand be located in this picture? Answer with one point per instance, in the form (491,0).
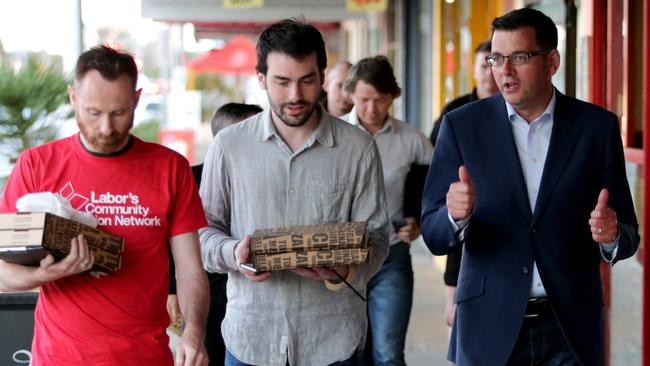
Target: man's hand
(603,222)
(242,253)
(410,231)
(323,273)
(450,305)
(16,277)
(173,309)
(191,349)
(80,259)
(460,197)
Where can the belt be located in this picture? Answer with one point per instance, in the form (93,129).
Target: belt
(537,306)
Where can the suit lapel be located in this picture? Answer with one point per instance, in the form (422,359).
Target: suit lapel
(564,137)
(508,154)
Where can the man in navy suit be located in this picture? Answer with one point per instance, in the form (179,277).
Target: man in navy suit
(533,183)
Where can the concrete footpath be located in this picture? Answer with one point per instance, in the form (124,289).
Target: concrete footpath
(428,334)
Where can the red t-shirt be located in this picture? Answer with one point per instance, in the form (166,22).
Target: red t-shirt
(146,195)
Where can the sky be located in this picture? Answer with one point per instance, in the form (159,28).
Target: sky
(49,25)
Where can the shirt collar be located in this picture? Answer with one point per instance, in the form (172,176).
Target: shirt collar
(546,115)
(323,132)
(353,119)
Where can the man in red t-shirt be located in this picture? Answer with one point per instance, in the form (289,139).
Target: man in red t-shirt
(138,190)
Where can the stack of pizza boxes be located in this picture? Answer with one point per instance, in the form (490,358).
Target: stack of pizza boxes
(26,238)
(309,246)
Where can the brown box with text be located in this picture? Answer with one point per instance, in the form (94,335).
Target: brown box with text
(26,238)
(309,246)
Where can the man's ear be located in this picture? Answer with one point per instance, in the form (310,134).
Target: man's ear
(554,62)
(137,98)
(73,96)
(261,79)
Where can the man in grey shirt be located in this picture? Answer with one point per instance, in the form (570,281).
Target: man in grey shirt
(372,86)
(291,165)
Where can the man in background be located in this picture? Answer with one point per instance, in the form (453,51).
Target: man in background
(337,101)
(373,88)
(485,86)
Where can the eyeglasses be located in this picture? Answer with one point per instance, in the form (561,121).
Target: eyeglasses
(518,58)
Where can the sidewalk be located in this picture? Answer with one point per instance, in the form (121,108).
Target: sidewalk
(427,336)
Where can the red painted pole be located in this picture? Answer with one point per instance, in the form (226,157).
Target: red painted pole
(645,220)
(600,79)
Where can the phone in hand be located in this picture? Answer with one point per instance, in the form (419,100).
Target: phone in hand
(249,267)
(398,224)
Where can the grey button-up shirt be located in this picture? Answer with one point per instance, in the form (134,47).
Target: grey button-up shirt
(252,180)
(400,145)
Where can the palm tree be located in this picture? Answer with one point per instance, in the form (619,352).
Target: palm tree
(31,100)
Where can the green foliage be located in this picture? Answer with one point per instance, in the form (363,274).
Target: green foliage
(31,98)
(147,130)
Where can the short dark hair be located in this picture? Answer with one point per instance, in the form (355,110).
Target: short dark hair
(375,71)
(545,30)
(483,47)
(110,63)
(231,113)
(292,37)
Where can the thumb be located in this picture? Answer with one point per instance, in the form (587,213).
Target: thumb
(603,197)
(49,259)
(463,174)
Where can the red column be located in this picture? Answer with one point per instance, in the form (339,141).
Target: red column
(600,80)
(597,47)
(645,220)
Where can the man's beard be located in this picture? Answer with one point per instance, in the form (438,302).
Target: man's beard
(293,121)
(101,143)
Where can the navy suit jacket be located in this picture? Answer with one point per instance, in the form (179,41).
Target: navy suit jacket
(505,234)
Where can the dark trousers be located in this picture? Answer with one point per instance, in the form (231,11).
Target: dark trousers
(541,341)
(213,339)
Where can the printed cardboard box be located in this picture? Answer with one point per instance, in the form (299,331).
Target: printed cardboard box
(309,246)
(316,258)
(309,238)
(26,238)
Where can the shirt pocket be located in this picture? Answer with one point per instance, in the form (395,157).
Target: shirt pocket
(329,204)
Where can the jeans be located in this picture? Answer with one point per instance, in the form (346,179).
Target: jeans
(390,296)
(541,342)
(233,361)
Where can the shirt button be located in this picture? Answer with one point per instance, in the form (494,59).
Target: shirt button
(525,270)
(291,191)
(534,231)
(539,284)
(534,160)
